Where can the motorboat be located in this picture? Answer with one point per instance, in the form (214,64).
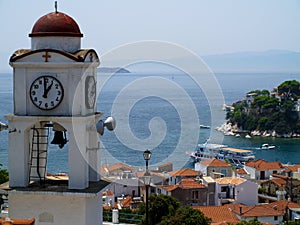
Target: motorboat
(267,146)
(204,126)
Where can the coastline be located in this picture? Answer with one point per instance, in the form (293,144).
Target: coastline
(229,129)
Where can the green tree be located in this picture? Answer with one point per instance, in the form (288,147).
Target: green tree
(3,175)
(260,102)
(253,221)
(282,127)
(186,215)
(260,92)
(267,112)
(164,209)
(292,223)
(159,206)
(262,123)
(271,103)
(290,89)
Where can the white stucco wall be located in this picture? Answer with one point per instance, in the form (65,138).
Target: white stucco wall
(202,168)
(68,44)
(247,193)
(125,187)
(173,180)
(56,209)
(266,219)
(80,145)
(251,171)
(70,75)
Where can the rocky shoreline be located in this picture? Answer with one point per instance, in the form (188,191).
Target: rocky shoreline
(229,129)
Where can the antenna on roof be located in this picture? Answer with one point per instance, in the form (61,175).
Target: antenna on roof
(55,6)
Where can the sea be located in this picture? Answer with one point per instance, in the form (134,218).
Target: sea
(162,111)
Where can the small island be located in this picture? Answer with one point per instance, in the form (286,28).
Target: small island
(112,70)
(265,113)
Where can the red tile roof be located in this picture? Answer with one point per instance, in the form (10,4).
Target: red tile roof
(281,206)
(279,182)
(218,214)
(5,221)
(261,164)
(120,166)
(189,183)
(165,164)
(170,188)
(241,171)
(293,168)
(125,203)
(252,211)
(103,169)
(230,180)
(186,172)
(185,183)
(141,174)
(214,162)
(281,176)
(108,193)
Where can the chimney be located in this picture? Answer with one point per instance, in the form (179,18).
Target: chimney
(241,210)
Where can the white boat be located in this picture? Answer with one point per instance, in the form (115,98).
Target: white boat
(205,151)
(204,126)
(267,146)
(240,155)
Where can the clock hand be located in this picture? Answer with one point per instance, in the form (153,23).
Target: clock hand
(45,95)
(45,88)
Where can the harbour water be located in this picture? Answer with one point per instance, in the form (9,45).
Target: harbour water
(234,87)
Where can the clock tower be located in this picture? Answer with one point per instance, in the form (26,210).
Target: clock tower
(54,92)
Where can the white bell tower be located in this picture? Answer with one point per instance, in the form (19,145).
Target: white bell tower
(55,91)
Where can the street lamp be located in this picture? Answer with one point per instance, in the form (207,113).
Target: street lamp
(147,179)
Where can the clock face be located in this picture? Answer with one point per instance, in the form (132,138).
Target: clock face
(90,92)
(46,92)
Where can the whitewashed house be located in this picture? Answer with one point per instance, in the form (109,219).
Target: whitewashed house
(235,190)
(262,170)
(264,213)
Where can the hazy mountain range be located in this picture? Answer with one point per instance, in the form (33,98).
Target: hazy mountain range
(272,61)
(267,61)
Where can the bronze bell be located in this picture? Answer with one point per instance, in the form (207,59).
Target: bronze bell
(59,138)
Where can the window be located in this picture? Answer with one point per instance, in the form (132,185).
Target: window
(275,218)
(224,189)
(195,195)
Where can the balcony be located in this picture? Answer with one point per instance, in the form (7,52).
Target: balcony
(225,197)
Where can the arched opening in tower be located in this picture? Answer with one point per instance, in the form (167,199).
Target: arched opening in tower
(48,152)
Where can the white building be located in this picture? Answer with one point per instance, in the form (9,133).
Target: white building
(235,190)
(55,91)
(264,213)
(262,170)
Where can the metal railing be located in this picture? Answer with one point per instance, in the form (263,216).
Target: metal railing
(131,218)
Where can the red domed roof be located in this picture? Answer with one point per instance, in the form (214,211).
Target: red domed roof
(55,24)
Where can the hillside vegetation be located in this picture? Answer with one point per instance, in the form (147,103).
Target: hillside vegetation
(276,111)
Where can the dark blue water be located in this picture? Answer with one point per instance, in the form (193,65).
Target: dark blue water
(234,87)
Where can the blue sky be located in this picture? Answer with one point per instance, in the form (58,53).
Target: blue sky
(205,27)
